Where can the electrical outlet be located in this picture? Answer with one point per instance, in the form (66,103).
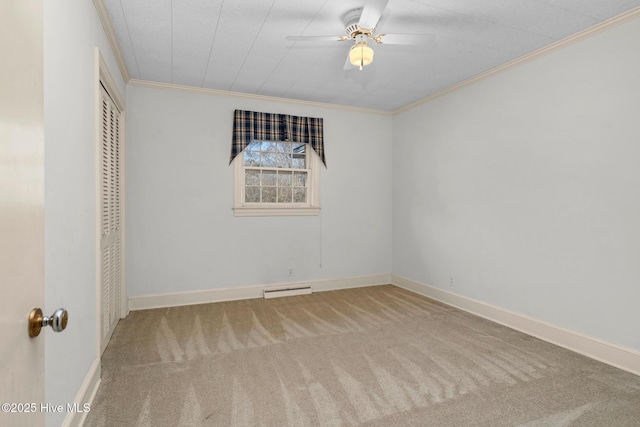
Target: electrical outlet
(290,271)
(451,281)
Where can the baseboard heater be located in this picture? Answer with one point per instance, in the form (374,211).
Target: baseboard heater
(287,292)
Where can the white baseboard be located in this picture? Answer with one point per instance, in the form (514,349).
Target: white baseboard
(87,392)
(611,354)
(145,302)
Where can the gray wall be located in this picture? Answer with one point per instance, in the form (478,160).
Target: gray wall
(181,231)
(524,189)
(72,30)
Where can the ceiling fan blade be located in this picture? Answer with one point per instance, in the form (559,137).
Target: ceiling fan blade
(371,13)
(348,65)
(316,38)
(410,39)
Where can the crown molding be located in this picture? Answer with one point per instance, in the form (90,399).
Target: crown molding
(111,36)
(589,32)
(104,75)
(584,34)
(219,92)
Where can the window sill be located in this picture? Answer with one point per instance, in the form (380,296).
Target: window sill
(262,211)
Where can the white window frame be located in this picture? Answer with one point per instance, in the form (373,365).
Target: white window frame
(312,207)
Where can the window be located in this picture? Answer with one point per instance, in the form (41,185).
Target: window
(276,163)
(276,178)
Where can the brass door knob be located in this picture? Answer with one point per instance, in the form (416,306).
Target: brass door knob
(57,321)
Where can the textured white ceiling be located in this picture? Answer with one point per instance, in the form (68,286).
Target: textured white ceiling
(240,45)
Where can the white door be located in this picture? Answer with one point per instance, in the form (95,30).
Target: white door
(21,211)
(111,250)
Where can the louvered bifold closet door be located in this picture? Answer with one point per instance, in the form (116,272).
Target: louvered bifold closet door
(111,234)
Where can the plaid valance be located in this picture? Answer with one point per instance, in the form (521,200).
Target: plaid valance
(251,126)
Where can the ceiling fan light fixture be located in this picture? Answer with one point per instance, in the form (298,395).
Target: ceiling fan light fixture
(360,54)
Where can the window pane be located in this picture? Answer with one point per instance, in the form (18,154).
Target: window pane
(252,177)
(284,154)
(284,179)
(252,194)
(269,160)
(284,160)
(253,146)
(300,179)
(269,178)
(268,146)
(284,147)
(251,158)
(298,161)
(284,195)
(299,156)
(268,194)
(299,195)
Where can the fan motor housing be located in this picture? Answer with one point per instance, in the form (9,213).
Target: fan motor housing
(351,20)
(351,30)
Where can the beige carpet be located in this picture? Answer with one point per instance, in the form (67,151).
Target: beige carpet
(377,356)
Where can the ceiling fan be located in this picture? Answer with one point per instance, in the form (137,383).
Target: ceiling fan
(360,26)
